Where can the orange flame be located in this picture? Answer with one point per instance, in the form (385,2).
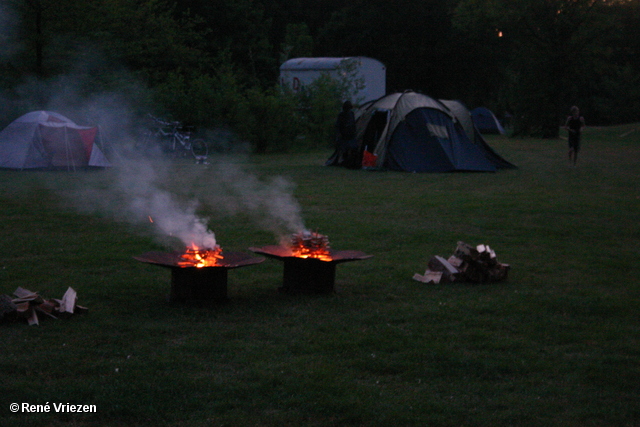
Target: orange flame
(197,257)
(310,245)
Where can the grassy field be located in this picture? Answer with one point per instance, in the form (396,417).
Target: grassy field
(555,345)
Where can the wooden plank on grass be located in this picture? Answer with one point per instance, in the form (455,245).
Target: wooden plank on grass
(33,317)
(429,277)
(68,302)
(26,295)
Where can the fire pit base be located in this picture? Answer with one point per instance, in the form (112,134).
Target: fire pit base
(198,284)
(309,275)
(204,285)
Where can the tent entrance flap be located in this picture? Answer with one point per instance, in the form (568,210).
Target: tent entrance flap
(375,129)
(64,147)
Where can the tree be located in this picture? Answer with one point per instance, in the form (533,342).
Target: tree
(412,38)
(297,42)
(240,29)
(555,48)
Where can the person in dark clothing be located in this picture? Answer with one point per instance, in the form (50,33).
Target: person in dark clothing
(574,125)
(347,152)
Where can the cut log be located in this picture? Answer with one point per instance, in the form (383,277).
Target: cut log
(465,251)
(21,292)
(486,254)
(23,295)
(37,308)
(429,277)
(449,272)
(68,302)
(33,317)
(22,310)
(26,311)
(47,307)
(455,261)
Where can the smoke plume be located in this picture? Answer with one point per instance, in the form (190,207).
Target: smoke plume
(269,202)
(148,191)
(169,199)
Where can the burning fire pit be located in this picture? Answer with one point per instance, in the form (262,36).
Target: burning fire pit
(309,263)
(199,275)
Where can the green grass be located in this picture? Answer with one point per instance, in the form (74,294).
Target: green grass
(555,345)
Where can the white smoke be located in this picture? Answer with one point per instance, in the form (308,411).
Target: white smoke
(141,185)
(140,190)
(168,199)
(269,202)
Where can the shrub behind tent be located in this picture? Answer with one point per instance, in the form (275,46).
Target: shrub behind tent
(44,139)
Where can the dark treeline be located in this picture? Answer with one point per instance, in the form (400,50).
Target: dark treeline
(215,63)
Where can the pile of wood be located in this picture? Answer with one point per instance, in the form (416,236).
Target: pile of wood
(27,305)
(195,257)
(474,264)
(310,244)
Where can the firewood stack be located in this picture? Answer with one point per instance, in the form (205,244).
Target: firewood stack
(27,304)
(468,264)
(201,257)
(309,244)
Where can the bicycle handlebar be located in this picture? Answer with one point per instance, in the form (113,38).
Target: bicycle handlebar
(163,123)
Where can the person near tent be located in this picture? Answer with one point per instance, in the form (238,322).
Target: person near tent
(346,153)
(574,125)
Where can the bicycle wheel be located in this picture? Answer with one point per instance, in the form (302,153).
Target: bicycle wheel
(199,148)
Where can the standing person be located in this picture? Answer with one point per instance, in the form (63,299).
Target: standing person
(574,125)
(346,153)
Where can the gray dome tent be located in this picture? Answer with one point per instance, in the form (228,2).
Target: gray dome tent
(413,132)
(44,139)
(486,121)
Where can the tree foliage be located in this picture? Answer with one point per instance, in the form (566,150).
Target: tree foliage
(556,52)
(216,63)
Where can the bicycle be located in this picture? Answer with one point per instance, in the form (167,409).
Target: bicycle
(174,138)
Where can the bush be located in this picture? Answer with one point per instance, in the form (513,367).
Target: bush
(320,103)
(271,120)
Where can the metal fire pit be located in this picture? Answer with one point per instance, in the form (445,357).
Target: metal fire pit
(204,284)
(309,275)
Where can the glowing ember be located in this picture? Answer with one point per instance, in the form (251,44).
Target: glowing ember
(310,244)
(197,257)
